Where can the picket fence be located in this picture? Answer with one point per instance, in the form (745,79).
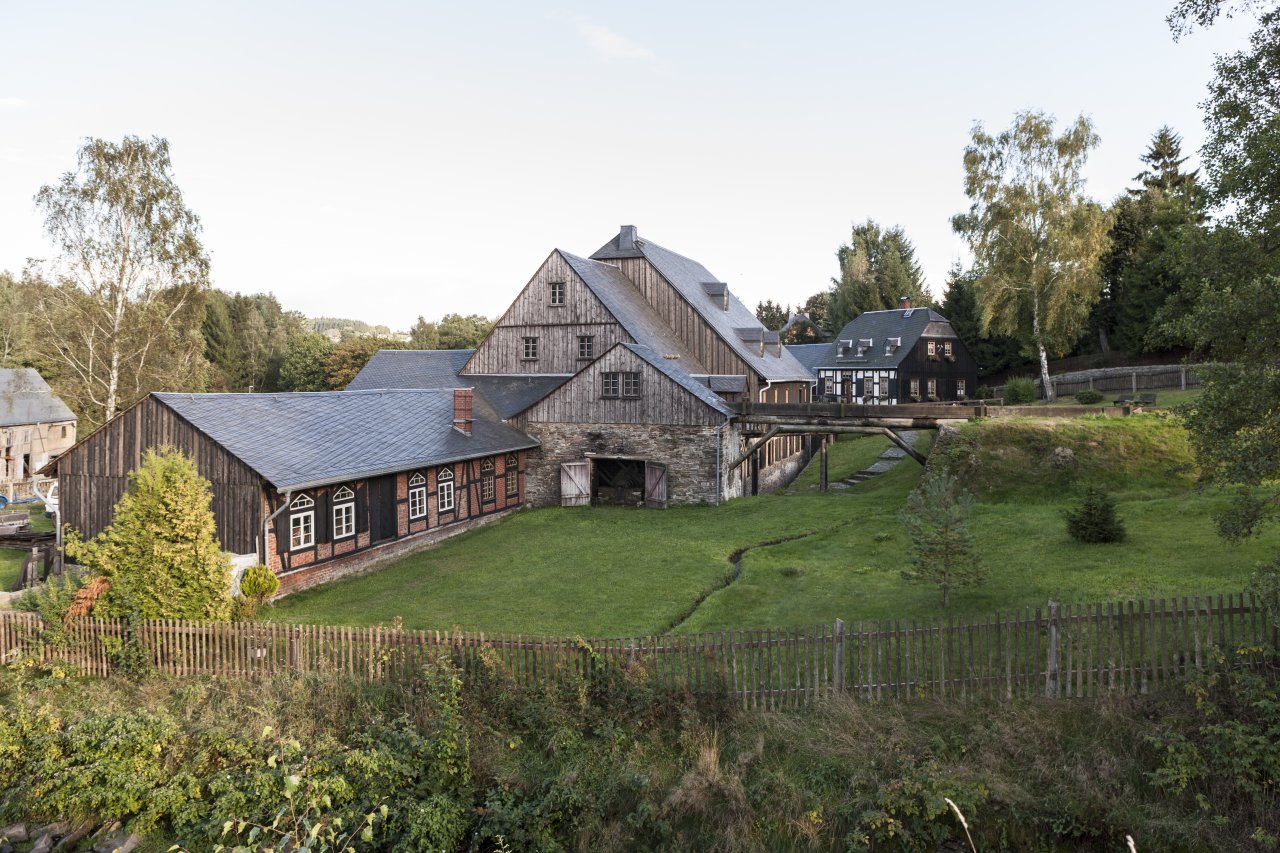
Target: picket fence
(1057,651)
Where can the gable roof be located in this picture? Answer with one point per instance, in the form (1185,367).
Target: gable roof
(299,440)
(621,298)
(810,355)
(497,397)
(905,323)
(688,276)
(25,398)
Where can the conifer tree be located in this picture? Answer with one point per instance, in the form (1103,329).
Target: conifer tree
(942,548)
(160,552)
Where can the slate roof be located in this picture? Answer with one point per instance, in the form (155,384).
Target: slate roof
(908,324)
(695,387)
(25,398)
(620,296)
(497,397)
(299,440)
(688,276)
(810,355)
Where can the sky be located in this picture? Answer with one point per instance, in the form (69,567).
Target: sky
(380,161)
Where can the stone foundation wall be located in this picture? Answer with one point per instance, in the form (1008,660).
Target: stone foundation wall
(689,452)
(373,558)
(780,474)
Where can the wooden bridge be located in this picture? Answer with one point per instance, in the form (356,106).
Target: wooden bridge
(769,419)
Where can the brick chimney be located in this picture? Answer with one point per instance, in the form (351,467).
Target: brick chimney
(627,238)
(462,410)
(904,302)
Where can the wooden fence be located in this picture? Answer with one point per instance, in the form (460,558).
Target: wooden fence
(1117,381)
(1058,651)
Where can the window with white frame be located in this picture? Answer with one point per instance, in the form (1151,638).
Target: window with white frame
(488,481)
(933,347)
(512,475)
(444,490)
(946,347)
(417,496)
(302,523)
(530,349)
(557,293)
(961,390)
(915,387)
(933,387)
(344,513)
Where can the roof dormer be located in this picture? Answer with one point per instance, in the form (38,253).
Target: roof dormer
(718,292)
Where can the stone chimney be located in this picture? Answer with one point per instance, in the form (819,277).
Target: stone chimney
(627,238)
(904,302)
(462,410)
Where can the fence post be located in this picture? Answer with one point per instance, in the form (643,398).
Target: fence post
(837,680)
(1135,382)
(822,468)
(1051,669)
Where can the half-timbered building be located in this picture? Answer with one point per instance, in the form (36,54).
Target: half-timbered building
(904,355)
(315,485)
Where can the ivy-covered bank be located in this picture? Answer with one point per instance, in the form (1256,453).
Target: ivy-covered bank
(614,764)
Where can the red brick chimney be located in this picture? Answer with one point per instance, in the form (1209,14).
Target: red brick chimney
(462,410)
(904,302)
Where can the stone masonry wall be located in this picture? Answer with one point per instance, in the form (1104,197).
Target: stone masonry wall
(689,452)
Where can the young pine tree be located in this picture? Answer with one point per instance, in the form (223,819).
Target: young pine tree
(942,548)
(160,552)
(1095,519)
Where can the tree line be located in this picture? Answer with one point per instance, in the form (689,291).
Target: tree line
(125,305)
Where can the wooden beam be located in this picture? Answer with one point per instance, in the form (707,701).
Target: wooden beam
(866,430)
(907,448)
(752,448)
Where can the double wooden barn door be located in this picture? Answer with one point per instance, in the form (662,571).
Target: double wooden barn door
(575,484)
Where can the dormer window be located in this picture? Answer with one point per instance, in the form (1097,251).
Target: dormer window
(557,293)
(864,346)
(891,345)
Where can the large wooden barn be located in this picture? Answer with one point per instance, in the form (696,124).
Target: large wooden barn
(629,359)
(314,485)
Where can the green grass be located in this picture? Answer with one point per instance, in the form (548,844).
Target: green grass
(10,558)
(603,571)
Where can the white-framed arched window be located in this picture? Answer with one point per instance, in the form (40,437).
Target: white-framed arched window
(444,489)
(302,523)
(344,513)
(488,484)
(512,475)
(417,496)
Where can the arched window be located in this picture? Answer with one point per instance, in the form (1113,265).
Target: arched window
(488,485)
(344,513)
(444,489)
(512,475)
(302,523)
(417,496)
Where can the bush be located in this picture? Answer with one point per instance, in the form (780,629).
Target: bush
(1019,391)
(984,392)
(1095,519)
(1089,397)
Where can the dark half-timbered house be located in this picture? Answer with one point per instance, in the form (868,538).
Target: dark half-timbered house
(904,355)
(315,485)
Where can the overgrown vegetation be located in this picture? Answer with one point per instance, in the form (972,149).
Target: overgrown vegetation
(1019,391)
(615,763)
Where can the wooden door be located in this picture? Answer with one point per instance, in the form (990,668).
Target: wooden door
(655,485)
(575,483)
(382,508)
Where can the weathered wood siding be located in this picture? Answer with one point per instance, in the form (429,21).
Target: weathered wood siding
(556,327)
(93,475)
(918,366)
(698,335)
(661,400)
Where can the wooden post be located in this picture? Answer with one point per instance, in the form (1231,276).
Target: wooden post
(822,467)
(1184,378)
(1135,383)
(837,677)
(1051,667)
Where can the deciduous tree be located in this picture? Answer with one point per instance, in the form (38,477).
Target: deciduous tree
(424,335)
(349,356)
(123,315)
(160,552)
(459,332)
(305,361)
(1034,234)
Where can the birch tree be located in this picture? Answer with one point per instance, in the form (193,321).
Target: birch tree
(1034,234)
(123,314)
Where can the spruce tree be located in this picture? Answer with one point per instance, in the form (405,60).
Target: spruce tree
(160,552)
(942,549)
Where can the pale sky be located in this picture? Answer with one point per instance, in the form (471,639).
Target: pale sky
(381,160)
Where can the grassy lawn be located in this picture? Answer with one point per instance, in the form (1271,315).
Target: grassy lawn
(11,559)
(603,571)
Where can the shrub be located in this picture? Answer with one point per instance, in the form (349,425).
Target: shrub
(1019,391)
(984,392)
(1095,519)
(1089,397)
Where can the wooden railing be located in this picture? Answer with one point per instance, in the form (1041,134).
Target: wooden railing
(1067,651)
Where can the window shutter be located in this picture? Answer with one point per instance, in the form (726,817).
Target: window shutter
(893,387)
(324,517)
(862,384)
(362,507)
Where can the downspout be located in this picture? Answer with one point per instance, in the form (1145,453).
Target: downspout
(768,383)
(266,526)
